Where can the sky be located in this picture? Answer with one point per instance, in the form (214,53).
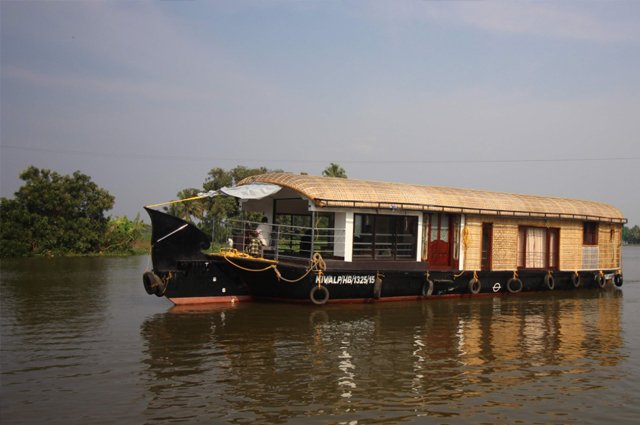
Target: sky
(147,96)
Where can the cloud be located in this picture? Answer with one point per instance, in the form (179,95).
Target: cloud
(600,22)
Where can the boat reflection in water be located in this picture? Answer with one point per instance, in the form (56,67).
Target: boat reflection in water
(491,358)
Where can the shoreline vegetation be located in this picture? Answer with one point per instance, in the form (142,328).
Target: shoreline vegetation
(54,215)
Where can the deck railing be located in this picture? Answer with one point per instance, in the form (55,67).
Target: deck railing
(286,241)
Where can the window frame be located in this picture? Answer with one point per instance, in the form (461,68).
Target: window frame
(547,260)
(359,253)
(590,230)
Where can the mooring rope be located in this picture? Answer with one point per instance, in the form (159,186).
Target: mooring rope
(316,264)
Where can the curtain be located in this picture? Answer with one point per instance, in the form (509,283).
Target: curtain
(536,248)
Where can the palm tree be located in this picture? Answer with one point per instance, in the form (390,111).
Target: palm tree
(334,170)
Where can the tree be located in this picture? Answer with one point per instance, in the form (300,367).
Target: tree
(631,235)
(121,235)
(209,213)
(334,170)
(53,214)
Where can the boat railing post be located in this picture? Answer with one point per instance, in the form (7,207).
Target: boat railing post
(313,233)
(276,242)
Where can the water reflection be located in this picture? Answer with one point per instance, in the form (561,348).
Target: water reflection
(391,362)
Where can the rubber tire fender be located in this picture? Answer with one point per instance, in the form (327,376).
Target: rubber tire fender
(575,280)
(319,301)
(549,282)
(475,286)
(427,288)
(161,289)
(150,281)
(618,280)
(601,281)
(519,287)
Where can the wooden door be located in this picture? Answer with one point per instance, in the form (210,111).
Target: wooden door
(439,251)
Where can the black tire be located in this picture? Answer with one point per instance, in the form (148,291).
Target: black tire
(601,281)
(618,280)
(474,286)
(549,282)
(161,289)
(575,280)
(427,288)
(323,299)
(517,288)
(150,281)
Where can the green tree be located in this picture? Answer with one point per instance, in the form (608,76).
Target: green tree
(634,235)
(53,214)
(209,214)
(121,235)
(334,170)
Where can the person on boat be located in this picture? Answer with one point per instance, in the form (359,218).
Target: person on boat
(254,248)
(264,232)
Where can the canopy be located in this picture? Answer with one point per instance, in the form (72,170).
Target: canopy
(251,191)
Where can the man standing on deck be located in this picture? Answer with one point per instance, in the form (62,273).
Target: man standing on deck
(264,232)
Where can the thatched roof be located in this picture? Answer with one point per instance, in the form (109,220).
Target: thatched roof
(339,192)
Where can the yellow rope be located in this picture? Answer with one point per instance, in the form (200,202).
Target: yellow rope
(167,278)
(316,264)
(475,275)
(270,266)
(465,240)
(515,274)
(455,276)
(193,198)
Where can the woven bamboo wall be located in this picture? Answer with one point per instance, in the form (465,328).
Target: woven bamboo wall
(505,245)
(609,239)
(571,233)
(505,242)
(473,249)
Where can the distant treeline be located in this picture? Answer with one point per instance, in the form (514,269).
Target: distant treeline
(631,235)
(53,214)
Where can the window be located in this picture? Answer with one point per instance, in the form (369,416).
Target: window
(538,247)
(590,233)
(384,237)
(487,239)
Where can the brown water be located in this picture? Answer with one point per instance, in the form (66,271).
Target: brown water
(82,343)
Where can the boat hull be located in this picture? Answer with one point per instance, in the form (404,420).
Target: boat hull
(346,282)
(182,272)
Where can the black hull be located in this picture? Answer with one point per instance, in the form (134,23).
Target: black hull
(181,271)
(348,283)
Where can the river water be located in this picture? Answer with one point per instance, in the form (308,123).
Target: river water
(82,343)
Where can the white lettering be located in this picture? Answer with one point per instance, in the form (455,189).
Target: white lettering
(346,279)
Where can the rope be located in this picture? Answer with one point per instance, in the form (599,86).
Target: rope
(241,255)
(316,264)
(193,198)
(515,274)
(465,239)
(455,276)
(167,277)
(475,275)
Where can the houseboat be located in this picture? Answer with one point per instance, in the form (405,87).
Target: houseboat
(321,239)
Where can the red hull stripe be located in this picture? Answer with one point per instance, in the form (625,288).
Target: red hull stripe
(383,299)
(210,300)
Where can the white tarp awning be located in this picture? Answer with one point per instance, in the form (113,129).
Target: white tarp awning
(251,191)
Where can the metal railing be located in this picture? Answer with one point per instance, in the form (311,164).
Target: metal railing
(279,241)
